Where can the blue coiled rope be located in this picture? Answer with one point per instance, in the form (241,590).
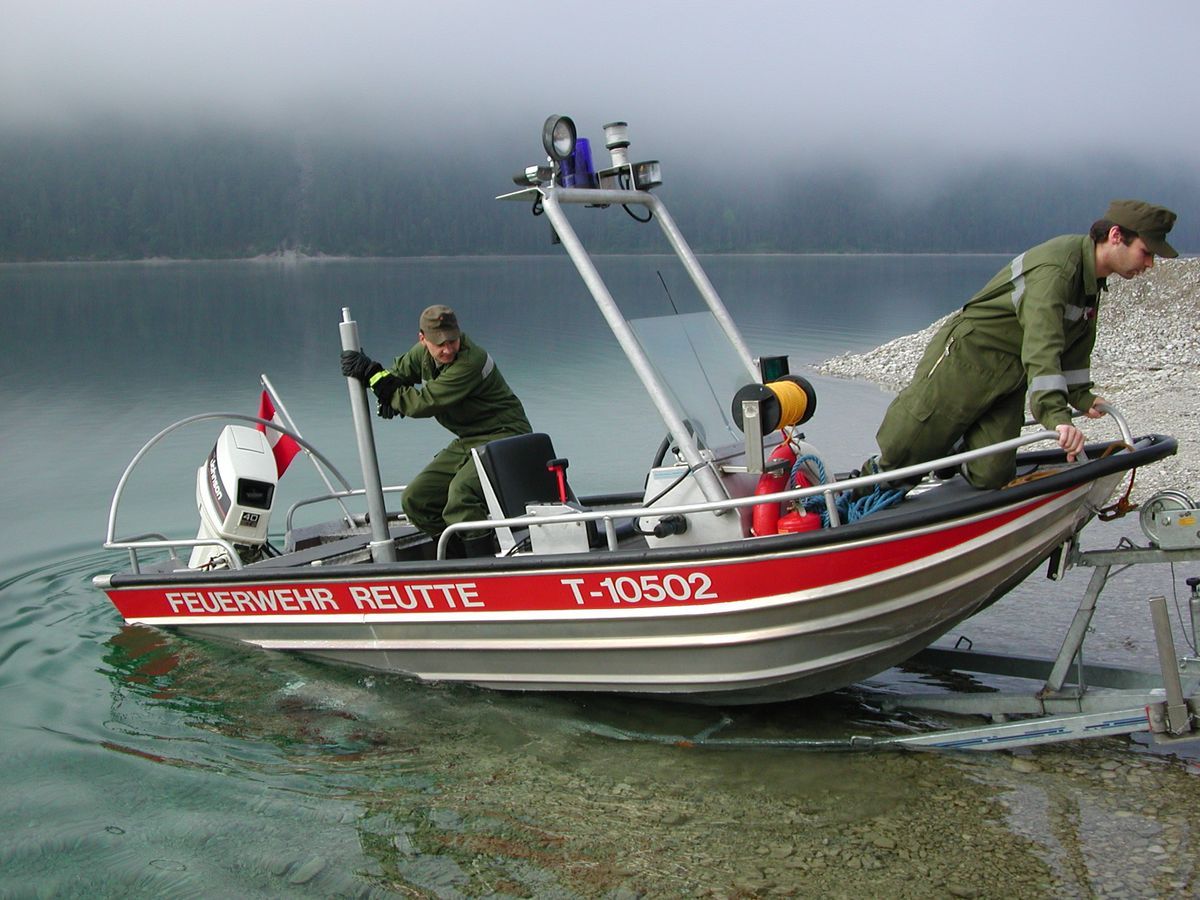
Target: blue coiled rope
(818,466)
(849,508)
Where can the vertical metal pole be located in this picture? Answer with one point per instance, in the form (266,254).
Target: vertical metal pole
(1178,720)
(835,518)
(383,549)
(752,428)
(1194,609)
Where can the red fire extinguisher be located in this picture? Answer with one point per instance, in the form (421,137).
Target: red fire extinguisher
(765,518)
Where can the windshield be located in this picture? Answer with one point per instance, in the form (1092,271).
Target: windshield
(700,369)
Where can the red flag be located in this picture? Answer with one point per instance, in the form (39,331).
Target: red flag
(284,446)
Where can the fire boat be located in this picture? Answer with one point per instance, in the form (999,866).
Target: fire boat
(736,569)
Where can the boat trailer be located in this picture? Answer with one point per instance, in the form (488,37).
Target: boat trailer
(1075,700)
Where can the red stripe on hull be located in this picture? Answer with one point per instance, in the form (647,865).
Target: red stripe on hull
(684,585)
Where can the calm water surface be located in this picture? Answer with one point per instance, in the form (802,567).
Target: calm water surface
(142,764)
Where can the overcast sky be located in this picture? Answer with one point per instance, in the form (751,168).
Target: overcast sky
(895,84)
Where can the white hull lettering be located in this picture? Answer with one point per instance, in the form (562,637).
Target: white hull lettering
(298,600)
(392,597)
(643,588)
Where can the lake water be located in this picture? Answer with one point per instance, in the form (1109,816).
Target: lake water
(141,764)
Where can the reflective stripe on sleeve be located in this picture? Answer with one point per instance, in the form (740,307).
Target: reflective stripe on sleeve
(1018,280)
(1078,376)
(488,366)
(1048,383)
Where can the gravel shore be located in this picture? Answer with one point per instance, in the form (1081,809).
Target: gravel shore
(1143,365)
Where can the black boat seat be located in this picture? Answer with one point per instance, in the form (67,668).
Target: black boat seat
(514,472)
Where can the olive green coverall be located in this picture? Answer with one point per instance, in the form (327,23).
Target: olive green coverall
(1031,329)
(469,397)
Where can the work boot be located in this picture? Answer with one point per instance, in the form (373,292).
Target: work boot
(870,466)
(481,545)
(947,472)
(454,547)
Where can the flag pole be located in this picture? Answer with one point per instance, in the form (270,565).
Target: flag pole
(290,423)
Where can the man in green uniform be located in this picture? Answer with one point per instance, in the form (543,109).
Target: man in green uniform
(448,377)
(1029,331)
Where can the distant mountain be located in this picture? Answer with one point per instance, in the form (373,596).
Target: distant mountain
(127,193)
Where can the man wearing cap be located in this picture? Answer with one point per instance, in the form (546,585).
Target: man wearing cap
(448,377)
(1029,331)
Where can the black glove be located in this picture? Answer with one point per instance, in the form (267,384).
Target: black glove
(356,364)
(387,411)
(385,387)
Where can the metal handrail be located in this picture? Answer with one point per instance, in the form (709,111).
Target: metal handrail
(826,490)
(132,545)
(336,495)
(607,516)
(140,543)
(138,538)
(158,541)
(1126,434)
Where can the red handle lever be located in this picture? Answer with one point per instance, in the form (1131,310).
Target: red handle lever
(559,468)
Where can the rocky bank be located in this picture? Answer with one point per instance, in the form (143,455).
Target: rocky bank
(1145,364)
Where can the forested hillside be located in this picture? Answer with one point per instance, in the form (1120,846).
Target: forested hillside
(119,193)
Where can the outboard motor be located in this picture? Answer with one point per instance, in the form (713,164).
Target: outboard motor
(234,491)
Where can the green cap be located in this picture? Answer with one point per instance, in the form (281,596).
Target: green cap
(1150,222)
(439,324)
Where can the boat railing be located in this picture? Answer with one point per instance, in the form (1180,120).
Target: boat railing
(335,495)
(607,517)
(828,491)
(1122,425)
(134,544)
(155,541)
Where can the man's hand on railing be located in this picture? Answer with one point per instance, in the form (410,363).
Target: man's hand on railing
(1071,440)
(1096,412)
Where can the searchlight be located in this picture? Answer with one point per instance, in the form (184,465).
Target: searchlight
(570,165)
(558,137)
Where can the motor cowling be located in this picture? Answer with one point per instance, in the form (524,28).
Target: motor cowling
(235,490)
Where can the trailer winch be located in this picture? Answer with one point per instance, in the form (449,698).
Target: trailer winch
(1171,520)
